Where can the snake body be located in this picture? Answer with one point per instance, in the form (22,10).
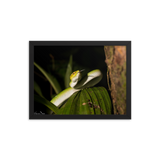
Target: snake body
(77,84)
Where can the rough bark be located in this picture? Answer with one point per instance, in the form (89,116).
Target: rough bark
(116,76)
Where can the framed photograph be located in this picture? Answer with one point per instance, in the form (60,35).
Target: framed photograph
(80,80)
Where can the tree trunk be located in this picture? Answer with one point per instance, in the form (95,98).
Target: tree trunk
(116,76)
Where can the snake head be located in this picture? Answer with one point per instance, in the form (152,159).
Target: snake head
(75,76)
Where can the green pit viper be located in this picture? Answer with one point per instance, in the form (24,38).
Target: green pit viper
(77,83)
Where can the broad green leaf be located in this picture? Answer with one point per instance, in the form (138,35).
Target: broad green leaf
(70,106)
(84,109)
(88,101)
(75,104)
(53,81)
(68,72)
(107,99)
(61,109)
(45,102)
(100,99)
(95,102)
(60,112)
(66,108)
(37,89)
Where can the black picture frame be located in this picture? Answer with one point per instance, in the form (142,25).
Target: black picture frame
(32,44)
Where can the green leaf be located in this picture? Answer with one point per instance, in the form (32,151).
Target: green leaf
(84,107)
(69,106)
(68,72)
(37,89)
(53,81)
(100,99)
(107,99)
(88,101)
(95,103)
(60,112)
(46,103)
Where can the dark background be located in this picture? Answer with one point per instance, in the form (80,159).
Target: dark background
(54,59)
